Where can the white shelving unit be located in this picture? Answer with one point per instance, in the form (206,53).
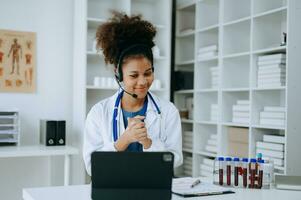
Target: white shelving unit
(96,12)
(243,30)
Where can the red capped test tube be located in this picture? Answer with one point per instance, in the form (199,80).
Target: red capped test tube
(221,170)
(252,173)
(228,167)
(260,173)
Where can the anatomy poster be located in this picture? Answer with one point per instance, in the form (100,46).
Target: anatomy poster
(17,61)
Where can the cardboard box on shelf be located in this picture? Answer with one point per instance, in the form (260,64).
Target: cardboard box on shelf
(240,135)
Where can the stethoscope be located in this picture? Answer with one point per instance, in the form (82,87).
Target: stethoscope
(117,102)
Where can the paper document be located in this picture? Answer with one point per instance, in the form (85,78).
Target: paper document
(182,186)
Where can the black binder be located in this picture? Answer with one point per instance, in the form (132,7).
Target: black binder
(61,133)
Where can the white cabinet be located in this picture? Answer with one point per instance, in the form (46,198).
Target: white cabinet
(222,41)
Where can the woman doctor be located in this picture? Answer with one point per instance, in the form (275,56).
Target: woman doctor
(133,119)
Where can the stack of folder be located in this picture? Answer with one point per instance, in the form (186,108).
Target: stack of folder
(214,112)
(272,148)
(272,115)
(271,70)
(206,167)
(214,77)
(241,112)
(211,145)
(207,52)
(187,140)
(187,165)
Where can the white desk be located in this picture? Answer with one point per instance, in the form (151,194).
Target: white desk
(82,192)
(41,150)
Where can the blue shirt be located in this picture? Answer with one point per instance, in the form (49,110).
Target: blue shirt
(135,146)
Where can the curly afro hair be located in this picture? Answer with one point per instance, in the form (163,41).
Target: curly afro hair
(122,31)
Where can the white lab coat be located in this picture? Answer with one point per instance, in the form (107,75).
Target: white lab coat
(98,135)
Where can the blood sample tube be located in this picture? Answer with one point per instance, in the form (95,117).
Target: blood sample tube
(252,173)
(259,157)
(221,170)
(228,167)
(236,169)
(260,173)
(245,172)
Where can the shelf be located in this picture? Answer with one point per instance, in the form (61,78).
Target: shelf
(188,62)
(236,71)
(92,87)
(8,125)
(243,31)
(236,38)
(208,59)
(279,49)
(8,116)
(206,90)
(263,98)
(207,122)
(185,54)
(268,127)
(37,150)
(235,55)
(8,132)
(188,121)
(235,124)
(187,150)
(270,12)
(94,53)
(269,37)
(237,21)
(229,99)
(235,89)
(203,105)
(95,22)
(269,88)
(184,92)
(8,140)
(209,28)
(185,34)
(204,153)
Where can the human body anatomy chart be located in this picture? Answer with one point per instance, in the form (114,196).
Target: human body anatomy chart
(17,61)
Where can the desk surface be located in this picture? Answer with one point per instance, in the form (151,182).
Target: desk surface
(82,192)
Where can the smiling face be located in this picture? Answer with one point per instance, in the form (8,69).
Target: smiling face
(138,75)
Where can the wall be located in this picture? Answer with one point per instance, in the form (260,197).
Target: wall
(52,20)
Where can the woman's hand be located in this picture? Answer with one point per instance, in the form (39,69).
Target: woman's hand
(135,132)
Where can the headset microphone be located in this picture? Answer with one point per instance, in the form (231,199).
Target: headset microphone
(131,94)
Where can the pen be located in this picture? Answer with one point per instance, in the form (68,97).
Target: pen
(195,183)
